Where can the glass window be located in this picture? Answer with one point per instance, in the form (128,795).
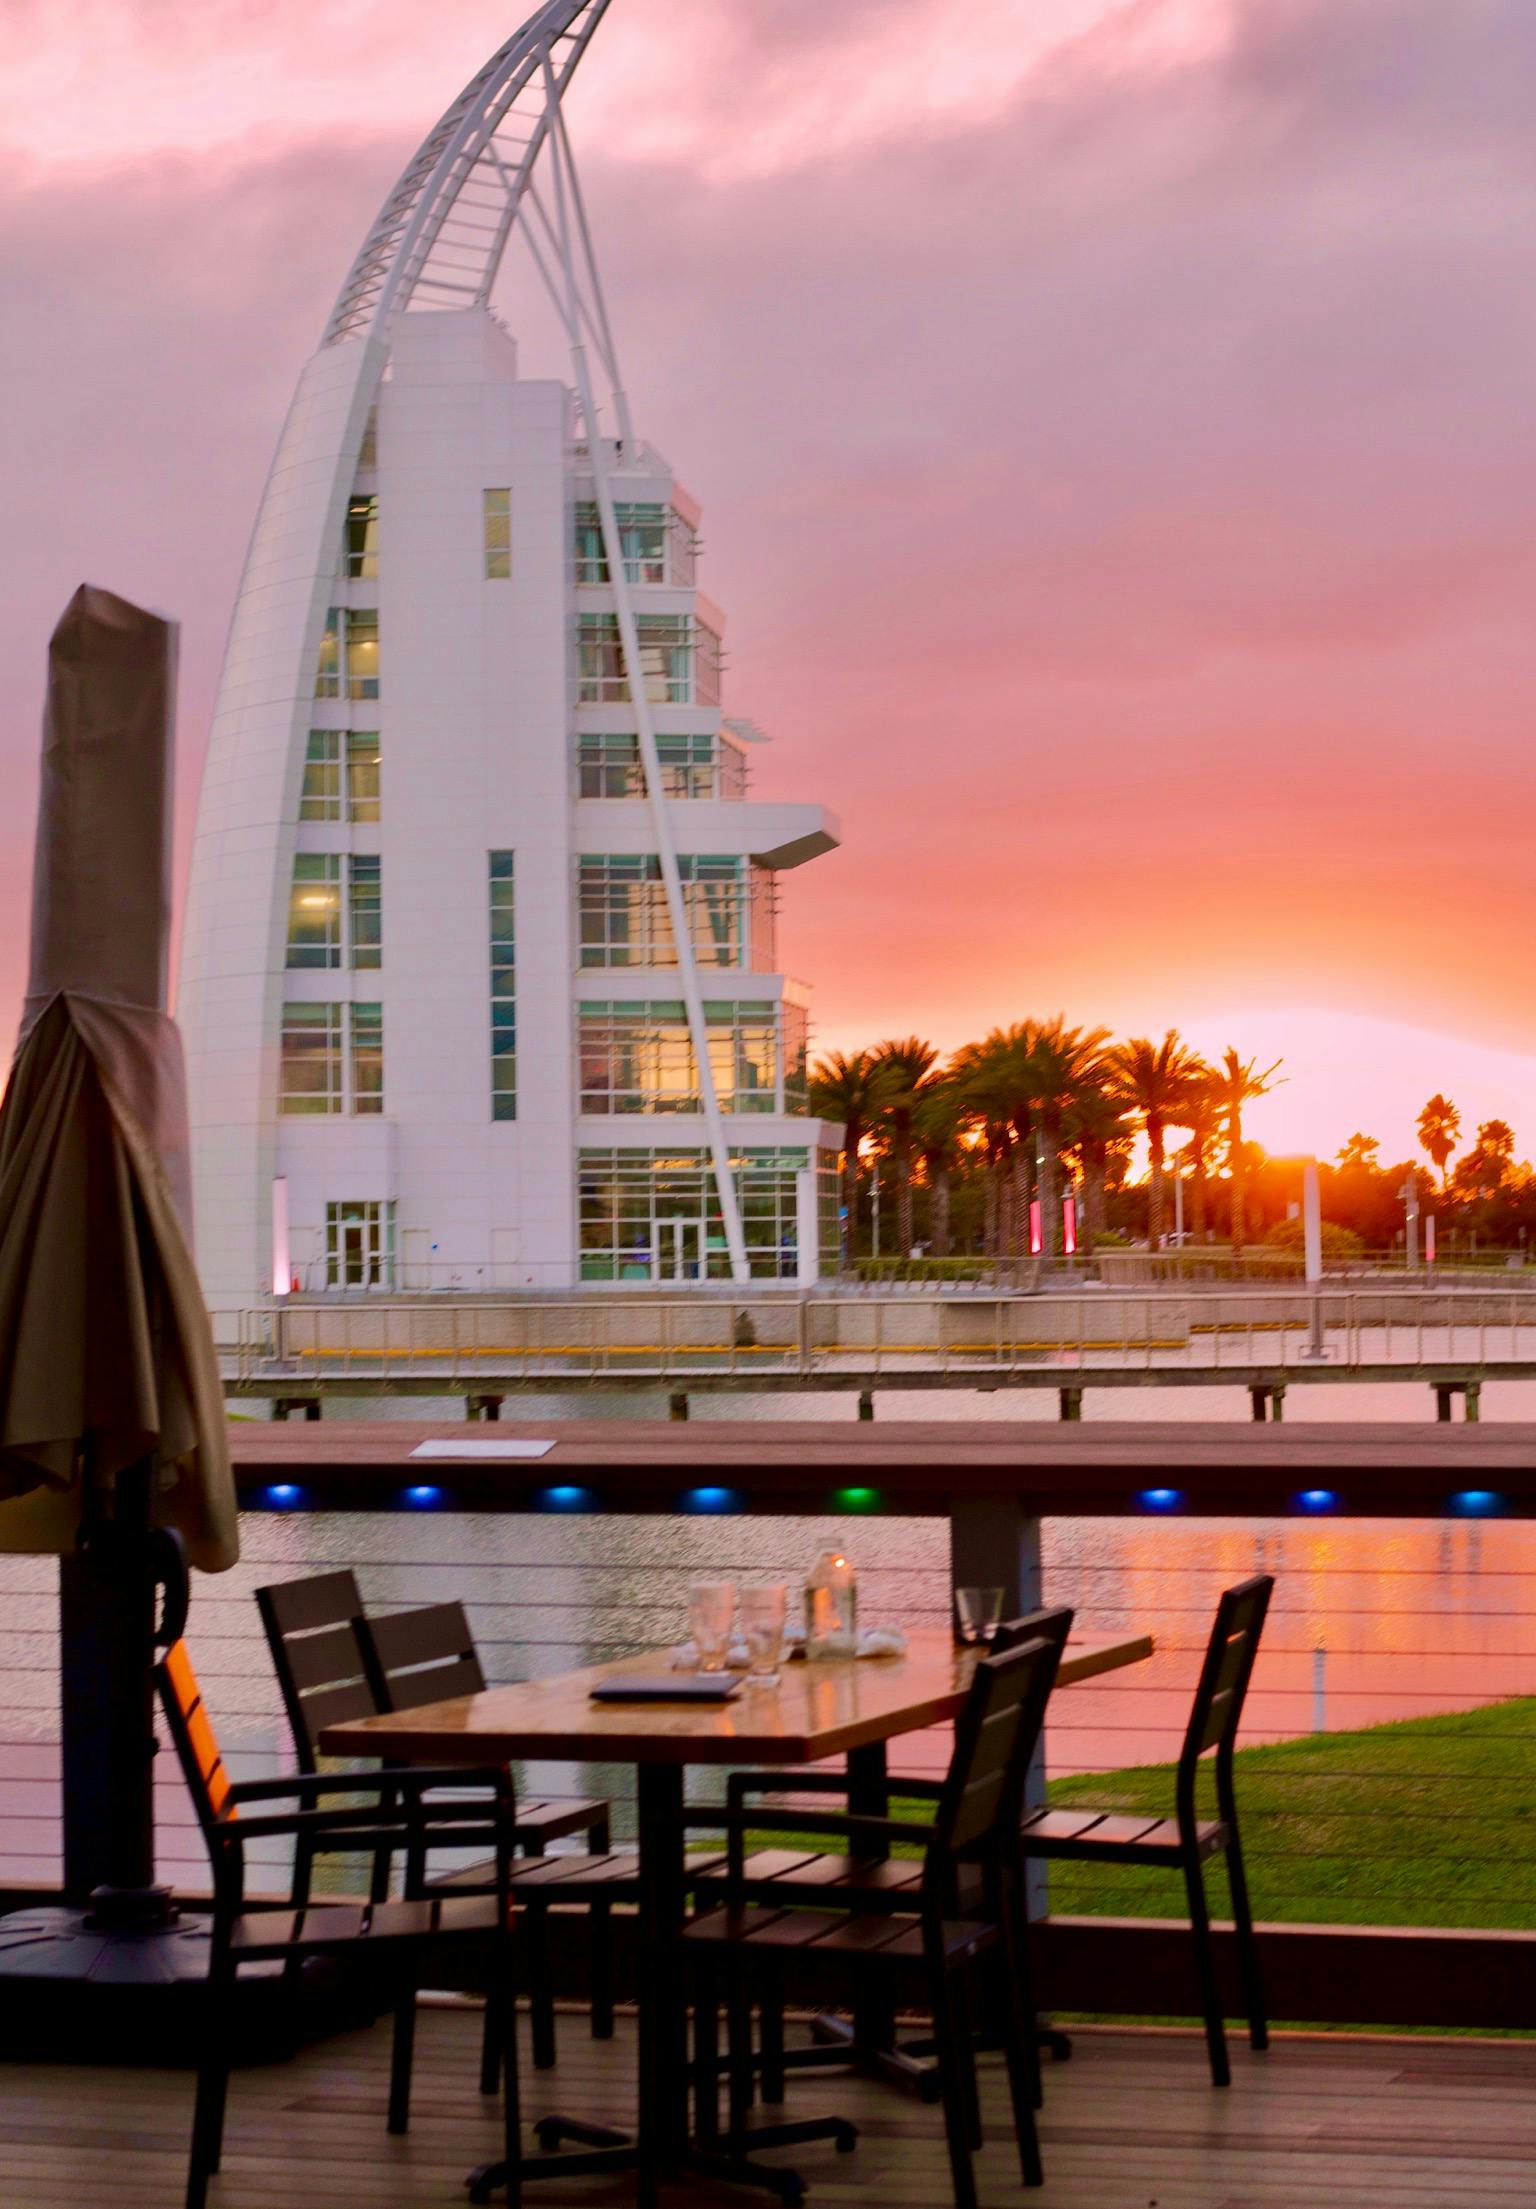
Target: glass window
(320,799)
(368,454)
(764,898)
(362,534)
(360,1246)
(503,989)
(709,666)
(609,767)
(498,533)
(658,545)
(328,671)
(310,1078)
(623,917)
(666,659)
(639,1057)
(365,910)
(797,1038)
(364,768)
(314,910)
(349,654)
(367,1058)
(653,1215)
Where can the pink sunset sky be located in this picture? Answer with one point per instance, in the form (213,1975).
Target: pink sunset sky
(1114,421)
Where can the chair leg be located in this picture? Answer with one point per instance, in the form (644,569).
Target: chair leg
(541,1997)
(504,2009)
(952,2054)
(492,2035)
(1205,1968)
(738,2015)
(601,1952)
(1020,2042)
(770,2072)
(1018,1972)
(212,2088)
(1247,1950)
(706,2057)
(965,2033)
(400,2061)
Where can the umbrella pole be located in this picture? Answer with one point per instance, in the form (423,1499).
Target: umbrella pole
(107,1603)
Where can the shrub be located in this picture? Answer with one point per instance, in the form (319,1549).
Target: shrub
(1340,1243)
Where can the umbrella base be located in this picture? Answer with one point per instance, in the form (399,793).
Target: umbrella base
(73,1991)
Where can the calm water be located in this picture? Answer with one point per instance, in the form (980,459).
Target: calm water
(1374,1620)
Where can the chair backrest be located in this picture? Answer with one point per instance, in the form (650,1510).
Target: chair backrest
(1052,1626)
(1224,1676)
(420,1656)
(995,1737)
(322,1668)
(192,1733)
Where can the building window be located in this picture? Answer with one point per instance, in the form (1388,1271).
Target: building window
(362,534)
(316,1074)
(666,660)
(623,917)
(796,1045)
(349,654)
(311,1064)
(367,1058)
(368,454)
(498,534)
(654,1215)
(659,546)
(763,905)
(322,930)
(341,776)
(691,767)
(708,666)
(639,1057)
(503,989)
(314,910)
(360,1246)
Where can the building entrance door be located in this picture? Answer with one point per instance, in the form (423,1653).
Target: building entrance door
(677,1249)
(360,1246)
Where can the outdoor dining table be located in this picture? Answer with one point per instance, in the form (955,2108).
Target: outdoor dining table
(830,1707)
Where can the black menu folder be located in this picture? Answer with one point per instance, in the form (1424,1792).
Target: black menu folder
(667,1687)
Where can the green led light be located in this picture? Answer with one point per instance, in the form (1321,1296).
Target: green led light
(858,1499)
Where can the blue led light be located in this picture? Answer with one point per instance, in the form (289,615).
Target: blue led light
(711,1499)
(423,1496)
(1317,1499)
(567,1499)
(1161,1499)
(1476,1501)
(284,1494)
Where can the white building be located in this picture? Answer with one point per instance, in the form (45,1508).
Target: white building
(442,1029)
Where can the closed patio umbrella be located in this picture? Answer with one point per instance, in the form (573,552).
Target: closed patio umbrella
(112,1425)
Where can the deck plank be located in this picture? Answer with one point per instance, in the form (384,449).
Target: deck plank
(1332,2121)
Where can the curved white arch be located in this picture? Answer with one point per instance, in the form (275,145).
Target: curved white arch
(440,236)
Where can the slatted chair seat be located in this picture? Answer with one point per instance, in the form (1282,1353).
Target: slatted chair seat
(1110,1836)
(260,1934)
(768,1873)
(576,1876)
(814,1935)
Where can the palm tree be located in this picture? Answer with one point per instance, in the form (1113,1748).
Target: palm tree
(1097,1127)
(1237,1083)
(1202,1111)
(937,1125)
(1439,1133)
(904,1067)
(1155,1081)
(1062,1061)
(1359,1153)
(849,1089)
(986,1077)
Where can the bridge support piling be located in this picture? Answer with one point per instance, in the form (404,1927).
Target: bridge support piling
(677,1404)
(284,1406)
(1469,1391)
(1071,1403)
(482,1407)
(866,1403)
(1267,1399)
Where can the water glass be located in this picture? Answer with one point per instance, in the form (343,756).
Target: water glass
(762,1613)
(978,1614)
(711,1607)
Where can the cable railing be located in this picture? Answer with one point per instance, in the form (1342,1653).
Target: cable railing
(1388,1752)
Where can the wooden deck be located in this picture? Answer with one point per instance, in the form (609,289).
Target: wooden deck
(1131,2121)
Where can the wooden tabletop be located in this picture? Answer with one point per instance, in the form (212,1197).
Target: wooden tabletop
(820,1709)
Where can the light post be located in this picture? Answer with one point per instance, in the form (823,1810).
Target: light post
(1409,1192)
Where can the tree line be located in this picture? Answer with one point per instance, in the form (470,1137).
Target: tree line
(951,1155)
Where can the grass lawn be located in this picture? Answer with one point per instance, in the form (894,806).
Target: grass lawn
(1431,1821)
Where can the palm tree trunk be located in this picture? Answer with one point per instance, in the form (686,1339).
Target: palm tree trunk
(1047,1166)
(1155,1197)
(853,1135)
(1197,1195)
(1239,1189)
(1095,1173)
(903,1163)
(938,1211)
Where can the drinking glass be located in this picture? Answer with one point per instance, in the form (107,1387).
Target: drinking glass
(762,1613)
(711,1605)
(978,1614)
